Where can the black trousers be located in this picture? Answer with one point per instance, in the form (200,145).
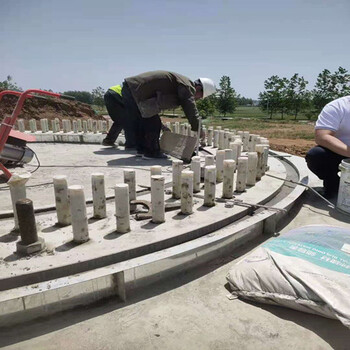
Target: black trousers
(142,133)
(118,110)
(325,164)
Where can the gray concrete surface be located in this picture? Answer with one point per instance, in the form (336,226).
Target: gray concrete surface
(145,237)
(191,312)
(78,162)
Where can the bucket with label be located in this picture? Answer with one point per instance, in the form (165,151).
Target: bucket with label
(343,203)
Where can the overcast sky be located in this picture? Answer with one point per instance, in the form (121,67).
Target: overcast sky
(81,44)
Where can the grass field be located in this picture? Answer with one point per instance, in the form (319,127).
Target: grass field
(250,112)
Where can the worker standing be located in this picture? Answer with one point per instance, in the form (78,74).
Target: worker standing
(332,135)
(143,98)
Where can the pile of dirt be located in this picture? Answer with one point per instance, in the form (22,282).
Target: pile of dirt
(47,107)
(297,147)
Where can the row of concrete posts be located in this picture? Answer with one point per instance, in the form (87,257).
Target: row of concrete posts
(66,126)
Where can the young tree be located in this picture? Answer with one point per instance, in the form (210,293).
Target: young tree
(97,96)
(297,95)
(273,99)
(207,106)
(8,84)
(226,102)
(330,86)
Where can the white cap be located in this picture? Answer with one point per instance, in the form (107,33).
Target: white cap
(208,87)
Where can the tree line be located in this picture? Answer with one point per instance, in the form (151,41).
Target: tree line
(290,96)
(283,96)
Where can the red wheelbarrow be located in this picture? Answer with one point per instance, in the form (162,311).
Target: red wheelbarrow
(13,149)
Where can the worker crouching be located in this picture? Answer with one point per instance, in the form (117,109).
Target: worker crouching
(142,97)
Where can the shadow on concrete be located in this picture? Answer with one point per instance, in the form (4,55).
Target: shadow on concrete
(151,225)
(65,247)
(113,150)
(10,237)
(13,257)
(180,216)
(52,228)
(133,160)
(203,208)
(112,235)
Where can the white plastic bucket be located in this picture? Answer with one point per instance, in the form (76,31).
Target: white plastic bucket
(343,202)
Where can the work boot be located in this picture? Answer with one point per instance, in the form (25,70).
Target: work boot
(107,142)
(156,155)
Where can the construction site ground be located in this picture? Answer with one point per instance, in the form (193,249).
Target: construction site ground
(190,311)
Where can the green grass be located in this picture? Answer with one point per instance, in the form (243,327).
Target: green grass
(249,112)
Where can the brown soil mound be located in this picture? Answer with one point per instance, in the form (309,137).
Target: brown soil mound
(46,107)
(297,147)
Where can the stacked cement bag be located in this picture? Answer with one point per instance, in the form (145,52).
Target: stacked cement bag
(307,269)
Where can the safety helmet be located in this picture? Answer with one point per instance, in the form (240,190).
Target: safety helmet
(208,87)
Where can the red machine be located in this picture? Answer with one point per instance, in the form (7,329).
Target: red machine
(13,148)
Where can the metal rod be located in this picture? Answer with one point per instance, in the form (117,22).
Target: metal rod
(307,186)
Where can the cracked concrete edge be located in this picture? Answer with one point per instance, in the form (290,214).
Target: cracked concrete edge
(33,301)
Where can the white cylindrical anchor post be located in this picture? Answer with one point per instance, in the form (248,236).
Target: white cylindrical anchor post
(210,137)
(80,125)
(228,153)
(245,140)
(20,124)
(239,148)
(130,179)
(265,159)
(234,147)
(17,184)
(220,156)
(260,151)
(183,129)
(242,169)
(99,126)
(177,169)
(157,198)
(216,138)
(61,198)
(75,126)
(64,125)
(89,123)
(32,125)
(221,139)
(252,142)
(189,130)
(187,192)
(252,168)
(209,185)
(94,126)
(53,126)
(122,207)
(43,125)
(209,160)
(98,195)
(196,168)
(227,186)
(58,126)
(85,126)
(156,170)
(177,128)
(78,212)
